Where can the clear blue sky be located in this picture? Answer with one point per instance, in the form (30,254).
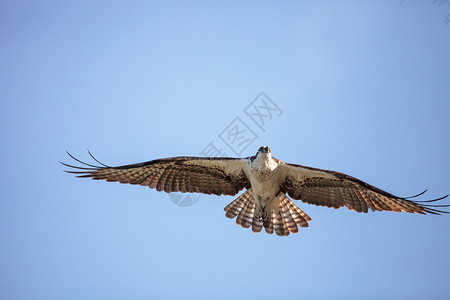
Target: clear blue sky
(363,87)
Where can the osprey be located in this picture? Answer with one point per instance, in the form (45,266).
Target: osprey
(267,181)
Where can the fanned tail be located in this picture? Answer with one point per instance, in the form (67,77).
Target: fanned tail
(283,218)
(244,208)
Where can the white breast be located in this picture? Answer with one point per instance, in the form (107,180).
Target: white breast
(264,176)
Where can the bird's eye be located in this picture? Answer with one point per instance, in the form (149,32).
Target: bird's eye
(260,148)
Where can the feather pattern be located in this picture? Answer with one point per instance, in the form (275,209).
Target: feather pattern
(218,176)
(335,189)
(267,180)
(283,220)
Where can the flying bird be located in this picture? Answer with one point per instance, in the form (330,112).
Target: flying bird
(268,183)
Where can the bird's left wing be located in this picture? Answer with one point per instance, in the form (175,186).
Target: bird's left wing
(207,175)
(335,189)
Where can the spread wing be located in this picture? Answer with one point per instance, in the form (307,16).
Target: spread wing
(335,189)
(213,175)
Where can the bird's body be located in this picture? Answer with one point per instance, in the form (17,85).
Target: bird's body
(268,182)
(265,181)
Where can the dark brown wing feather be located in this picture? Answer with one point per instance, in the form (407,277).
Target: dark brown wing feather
(335,189)
(215,175)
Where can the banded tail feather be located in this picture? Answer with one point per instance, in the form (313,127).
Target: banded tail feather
(233,209)
(283,220)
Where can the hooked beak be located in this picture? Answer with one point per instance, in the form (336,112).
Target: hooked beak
(265,149)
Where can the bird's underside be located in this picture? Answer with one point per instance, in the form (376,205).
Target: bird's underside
(268,183)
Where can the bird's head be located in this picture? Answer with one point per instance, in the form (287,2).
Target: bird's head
(263,149)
